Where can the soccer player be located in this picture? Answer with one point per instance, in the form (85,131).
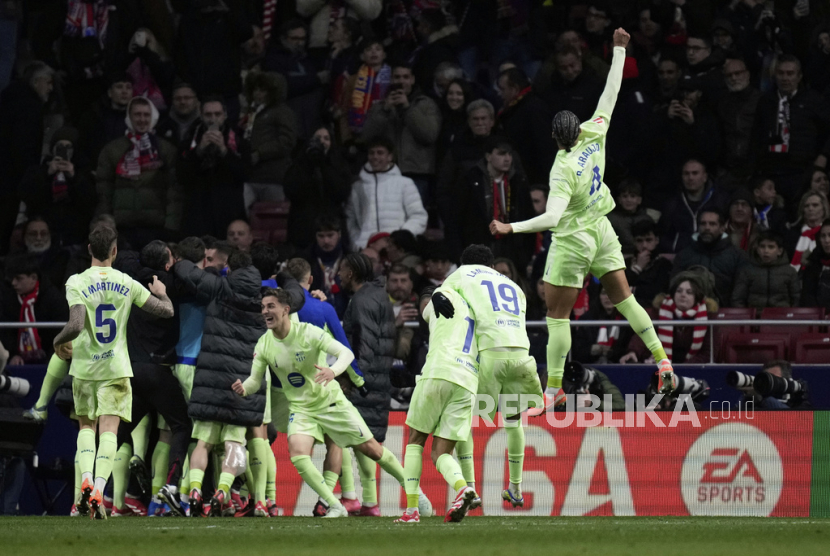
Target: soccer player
(498,307)
(100,300)
(442,403)
(290,351)
(583,240)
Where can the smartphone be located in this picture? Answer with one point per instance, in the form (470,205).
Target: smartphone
(394,88)
(62,151)
(141,38)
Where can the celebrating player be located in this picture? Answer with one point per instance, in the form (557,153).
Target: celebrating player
(583,240)
(100,299)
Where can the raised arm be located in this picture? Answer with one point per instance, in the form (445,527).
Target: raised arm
(612,85)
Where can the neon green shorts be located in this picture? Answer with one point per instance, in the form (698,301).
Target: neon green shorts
(595,250)
(94,398)
(215,433)
(507,372)
(184,374)
(340,421)
(441,408)
(279,410)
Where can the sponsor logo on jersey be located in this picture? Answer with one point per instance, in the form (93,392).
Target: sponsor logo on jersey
(732,469)
(296,379)
(501,323)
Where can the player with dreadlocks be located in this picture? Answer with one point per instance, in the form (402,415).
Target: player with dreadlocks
(583,240)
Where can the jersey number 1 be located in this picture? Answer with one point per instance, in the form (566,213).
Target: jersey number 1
(101,322)
(468,340)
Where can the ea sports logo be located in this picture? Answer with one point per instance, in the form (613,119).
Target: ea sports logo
(732,469)
(296,379)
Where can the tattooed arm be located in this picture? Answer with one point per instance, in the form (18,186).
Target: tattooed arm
(77,318)
(160,305)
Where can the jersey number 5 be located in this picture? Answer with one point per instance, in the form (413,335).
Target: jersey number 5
(596,182)
(507,294)
(101,322)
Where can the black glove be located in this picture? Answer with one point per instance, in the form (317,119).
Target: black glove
(363,391)
(443,306)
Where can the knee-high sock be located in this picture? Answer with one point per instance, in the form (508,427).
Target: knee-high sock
(412,468)
(314,479)
(464,451)
(642,325)
(107,446)
(225,482)
(184,485)
(449,468)
(141,437)
(249,483)
(161,456)
(389,463)
(77,475)
(367,469)
(559,344)
(347,475)
(55,373)
(259,466)
(331,479)
(515,451)
(121,475)
(196,478)
(86,453)
(271,475)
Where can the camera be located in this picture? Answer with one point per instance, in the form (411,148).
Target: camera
(17,387)
(741,381)
(582,377)
(769,385)
(697,388)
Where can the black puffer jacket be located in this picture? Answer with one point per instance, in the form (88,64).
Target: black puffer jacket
(369,324)
(233,325)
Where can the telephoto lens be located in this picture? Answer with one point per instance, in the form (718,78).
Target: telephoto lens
(697,388)
(579,375)
(13,385)
(769,385)
(739,380)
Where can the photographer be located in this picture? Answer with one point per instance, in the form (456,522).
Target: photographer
(778,390)
(581,379)
(317,182)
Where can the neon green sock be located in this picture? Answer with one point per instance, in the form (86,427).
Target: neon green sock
(367,469)
(121,475)
(389,463)
(347,475)
(225,482)
(55,373)
(331,479)
(141,437)
(449,468)
(86,453)
(314,479)
(196,478)
(184,484)
(259,449)
(559,344)
(107,446)
(515,452)
(413,462)
(464,451)
(77,475)
(642,325)
(271,475)
(161,457)
(248,485)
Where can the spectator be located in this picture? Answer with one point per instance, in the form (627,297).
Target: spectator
(574,87)
(318,181)
(817,68)
(605,344)
(211,172)
(627,214)
(669,75)
(441,43)
(812,211)
(790,125)
(736,112)
(399,286)
(21,138)
(325,256)
(683,344)
(270,134)
(445,74)
(769,281)
(598,29)
(680,215)
(741,224)
(402,249)
(180,118)
(106,120)
(437,263)
(382,200)
(493,189)
(525,120)
(59,191)
(705,64)
(342,55)
(457,97)
(150,69)
(217,254)
(29,297)
(648,271)
(367,86)
(137,180)
(768,212)
(305,84)
(815,290)
(412,121)
(377,264)
(568,41)
(324,13)
(240,235)
(505,266)
(819,181)
(52,258)
(712,249)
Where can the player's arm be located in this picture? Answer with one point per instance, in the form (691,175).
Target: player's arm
(72,329)
(336,329)
(612,85)
(160,305)
(253,382)
(548,220)
(334,348)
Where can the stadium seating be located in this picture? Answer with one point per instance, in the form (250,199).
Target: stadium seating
(269,221)
(755,348)
(812,349)
(791,313)
(719,333)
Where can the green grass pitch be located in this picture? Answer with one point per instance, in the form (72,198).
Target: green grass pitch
(480,536)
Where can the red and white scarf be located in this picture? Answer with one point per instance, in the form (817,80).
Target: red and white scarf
(606,336)
(87,19)
(28,339)
(806,243)
(669,311)
(269,9)
(142,157)
(782,126)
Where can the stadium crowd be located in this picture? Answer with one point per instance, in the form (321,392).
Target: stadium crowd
(354,148)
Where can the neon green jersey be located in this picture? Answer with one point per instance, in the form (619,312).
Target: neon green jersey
(498,306)
(453,354)
(100,352)
(292,361)
(577,176)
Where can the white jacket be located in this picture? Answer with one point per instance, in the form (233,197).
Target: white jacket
(383,202)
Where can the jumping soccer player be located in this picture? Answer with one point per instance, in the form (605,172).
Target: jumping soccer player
(100,299)
(583,240)
(499,309)
(442,403)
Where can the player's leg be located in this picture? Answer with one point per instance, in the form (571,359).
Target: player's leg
(299,449)
(171,406)
(234,464)
(141,439)
(348,495)
(271,482)
(104,458)
(159,459)
(560,301)
(86,459)
(465,450)
(259,448)
(207,434)
(449,468)
(412,469)
(332,465)
(56,371)
(120,479)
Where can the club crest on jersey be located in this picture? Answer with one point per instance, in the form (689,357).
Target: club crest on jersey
(299,356)
(296,379)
